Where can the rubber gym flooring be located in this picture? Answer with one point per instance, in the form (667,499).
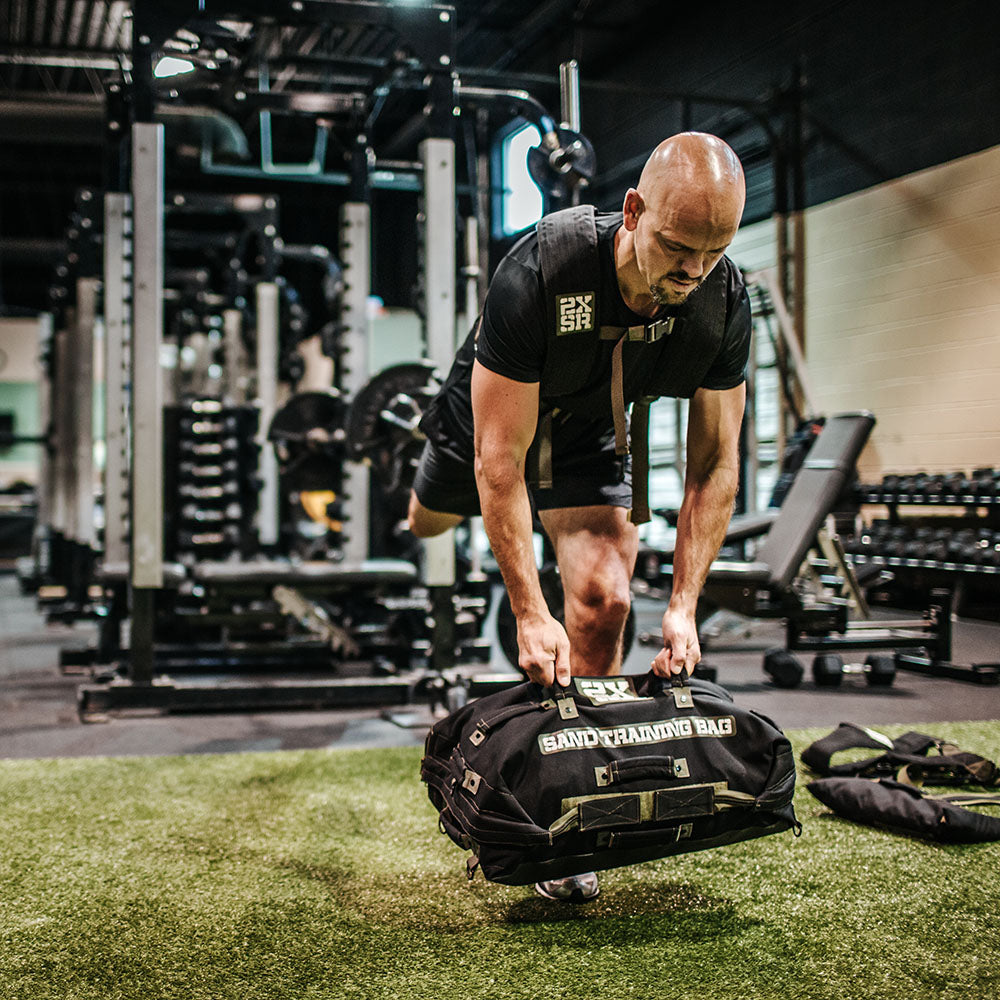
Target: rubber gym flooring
(38,715)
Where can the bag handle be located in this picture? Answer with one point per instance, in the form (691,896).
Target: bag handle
(485,725)
(639,768)
(679,687)
(650,684)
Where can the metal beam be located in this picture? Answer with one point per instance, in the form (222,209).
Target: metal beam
(355,252)
(117,333)
(35,250)
(65,60)
(268,333)
(147,338)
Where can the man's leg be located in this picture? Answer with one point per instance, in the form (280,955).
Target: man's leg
(443,495)
(596,549)
(426,523)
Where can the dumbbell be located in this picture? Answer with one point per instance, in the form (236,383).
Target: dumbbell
(193,470)
(890,487)
(987,549)
(956,484)
(784,669)
(209,449)
(210,491)
(921,485)
(829,669)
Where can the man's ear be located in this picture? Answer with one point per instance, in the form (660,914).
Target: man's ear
(632,208)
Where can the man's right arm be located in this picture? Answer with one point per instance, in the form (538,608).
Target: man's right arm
(505,414)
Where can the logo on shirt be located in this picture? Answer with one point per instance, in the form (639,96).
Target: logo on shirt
(574,313)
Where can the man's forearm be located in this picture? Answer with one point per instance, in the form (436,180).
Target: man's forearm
(508,524)
(701,528)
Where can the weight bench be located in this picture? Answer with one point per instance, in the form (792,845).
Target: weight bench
(764,586)
(113,578)
(118,573)
(291,585)
(769,586)
(301,588)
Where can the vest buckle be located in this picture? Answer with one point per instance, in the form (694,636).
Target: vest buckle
(661,328)
(652,332)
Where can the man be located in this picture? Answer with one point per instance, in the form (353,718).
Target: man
(572,330)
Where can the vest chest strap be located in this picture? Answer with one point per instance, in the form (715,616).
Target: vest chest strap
(649,334)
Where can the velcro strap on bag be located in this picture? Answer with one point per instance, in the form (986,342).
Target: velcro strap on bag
(593,812)
(683,803)
(609,811)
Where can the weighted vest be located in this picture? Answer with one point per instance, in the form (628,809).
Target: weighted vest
(673,354)
(883,790)
(667,357)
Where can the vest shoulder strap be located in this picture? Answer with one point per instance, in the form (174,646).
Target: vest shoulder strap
(567,254)
(907,758)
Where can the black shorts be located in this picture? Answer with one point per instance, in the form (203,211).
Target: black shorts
(586,472)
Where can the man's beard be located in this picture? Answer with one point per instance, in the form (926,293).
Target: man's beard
(663,295)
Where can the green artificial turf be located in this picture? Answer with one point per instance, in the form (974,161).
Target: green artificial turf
(321,874)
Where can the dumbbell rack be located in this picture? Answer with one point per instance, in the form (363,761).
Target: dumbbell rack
(925,545)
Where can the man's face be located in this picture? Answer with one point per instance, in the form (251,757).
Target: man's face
(677,249)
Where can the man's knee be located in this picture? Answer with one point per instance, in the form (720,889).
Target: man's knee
(602,603)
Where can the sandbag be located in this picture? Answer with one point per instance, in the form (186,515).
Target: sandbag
(541,783)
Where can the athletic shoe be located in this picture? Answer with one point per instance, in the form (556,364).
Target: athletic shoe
(574,889)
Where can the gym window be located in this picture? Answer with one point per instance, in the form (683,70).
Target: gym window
(520,200)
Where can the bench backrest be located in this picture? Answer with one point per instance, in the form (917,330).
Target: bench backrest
(825,472)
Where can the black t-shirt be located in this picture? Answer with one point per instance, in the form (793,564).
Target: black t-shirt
(512,337)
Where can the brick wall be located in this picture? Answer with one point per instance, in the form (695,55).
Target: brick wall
(903,314)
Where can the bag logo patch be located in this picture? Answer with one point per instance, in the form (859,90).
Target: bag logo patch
(607,690)
(587,737)
(574,313)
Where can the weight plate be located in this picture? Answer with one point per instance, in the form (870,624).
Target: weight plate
(373,421)
(309,416)
(308,438)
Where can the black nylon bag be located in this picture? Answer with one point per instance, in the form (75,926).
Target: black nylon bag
(541,783)
(943,818)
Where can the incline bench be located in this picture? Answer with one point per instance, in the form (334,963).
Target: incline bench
(768,586)
(765,584)
(763,587)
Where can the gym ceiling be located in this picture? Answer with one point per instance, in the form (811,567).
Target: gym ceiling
(819,98)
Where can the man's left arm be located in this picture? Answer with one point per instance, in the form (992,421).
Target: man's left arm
(710,482)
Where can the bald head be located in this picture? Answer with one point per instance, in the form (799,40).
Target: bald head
(679,220)
(697,175)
